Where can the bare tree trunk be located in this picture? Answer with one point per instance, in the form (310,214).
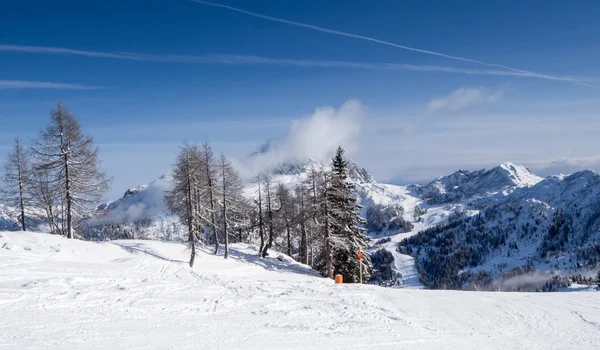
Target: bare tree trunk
(68,191)
(190,216)
(225,212)
(328,248)
(209,162)
(260,220)
(20,175)
(270,215)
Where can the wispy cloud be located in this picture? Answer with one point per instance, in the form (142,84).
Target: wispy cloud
(383,42)
(25,84)
(258,60)
(564,165)
(463,98)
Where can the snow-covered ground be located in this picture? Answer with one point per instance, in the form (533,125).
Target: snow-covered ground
(57,293)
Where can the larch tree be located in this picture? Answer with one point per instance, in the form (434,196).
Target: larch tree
(183,199)
(260,223)
(301,214)
(46,195)
(17,181)
(232,202)
(286,212)
(270,217)
(69,159)
(209,191)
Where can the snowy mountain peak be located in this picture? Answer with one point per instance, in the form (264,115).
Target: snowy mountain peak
(520,175)
(467,185)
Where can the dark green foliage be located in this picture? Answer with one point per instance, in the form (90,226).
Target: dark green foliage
(346,234)
(381,218)
(383,274)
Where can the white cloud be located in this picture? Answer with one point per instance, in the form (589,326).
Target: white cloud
(463,98)
(315,136)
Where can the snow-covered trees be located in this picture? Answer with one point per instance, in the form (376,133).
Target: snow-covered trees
(66,161)
(17,180)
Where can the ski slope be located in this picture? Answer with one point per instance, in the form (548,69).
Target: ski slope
(69,294)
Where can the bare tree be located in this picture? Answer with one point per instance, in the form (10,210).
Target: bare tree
(232,202)
(182,198)
(17,180)
(209,179)
(70,160)
(261,227)
(302,216)
(46,196)
(270,220)
(286,212)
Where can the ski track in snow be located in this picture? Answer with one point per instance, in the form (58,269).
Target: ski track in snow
(57,293)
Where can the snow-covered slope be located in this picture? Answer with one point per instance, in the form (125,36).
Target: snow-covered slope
(70,294)
(553,225)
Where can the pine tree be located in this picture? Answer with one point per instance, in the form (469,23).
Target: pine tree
(69,160)
(347,236)
(17,181)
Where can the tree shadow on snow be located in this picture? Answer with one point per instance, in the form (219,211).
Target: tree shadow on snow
(273,262)
(137,248)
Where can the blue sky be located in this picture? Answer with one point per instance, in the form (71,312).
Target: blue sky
(149,74)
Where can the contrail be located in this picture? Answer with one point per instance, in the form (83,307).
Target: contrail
(257,60)
(25,84)
(362,37)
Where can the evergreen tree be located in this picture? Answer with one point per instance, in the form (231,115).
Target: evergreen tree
(347,236)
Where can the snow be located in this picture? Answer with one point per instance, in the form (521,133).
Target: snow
(70,294)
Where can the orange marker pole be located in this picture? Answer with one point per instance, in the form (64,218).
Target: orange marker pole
(339,279)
